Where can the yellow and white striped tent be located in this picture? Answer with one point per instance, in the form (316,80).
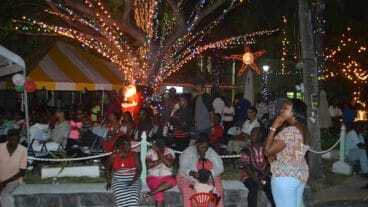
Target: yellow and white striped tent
(68,68)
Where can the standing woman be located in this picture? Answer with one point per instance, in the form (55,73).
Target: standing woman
(123,175)
(113,132)
(286,148)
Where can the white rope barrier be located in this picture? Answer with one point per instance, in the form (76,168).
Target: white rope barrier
(325,151)
(104,155)
(76,158)
(149,144)
(340,140)
(69,159)
(222,156)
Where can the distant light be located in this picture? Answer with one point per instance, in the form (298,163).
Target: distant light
(130,91)
(179,89)
(266,68)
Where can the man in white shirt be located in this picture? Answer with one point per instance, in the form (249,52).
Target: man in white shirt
(13,166)
(355,147)
(235,146)
(218,105)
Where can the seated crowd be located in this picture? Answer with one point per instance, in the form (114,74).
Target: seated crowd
(201,129)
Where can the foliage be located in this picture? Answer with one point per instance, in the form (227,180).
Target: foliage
(29,48)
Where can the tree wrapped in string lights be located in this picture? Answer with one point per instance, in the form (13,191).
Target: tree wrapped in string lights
(148,40)
(348,60)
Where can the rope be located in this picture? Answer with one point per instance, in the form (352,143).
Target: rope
(222,156)
(326,151)
(76,158)
(138,144)
(68,159)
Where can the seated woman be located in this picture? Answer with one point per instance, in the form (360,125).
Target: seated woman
(123,172)
(160,161)
(194,158)
(75,124)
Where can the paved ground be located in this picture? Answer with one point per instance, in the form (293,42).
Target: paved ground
(350,190)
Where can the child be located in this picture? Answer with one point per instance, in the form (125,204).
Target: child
(203,182)
(217,133)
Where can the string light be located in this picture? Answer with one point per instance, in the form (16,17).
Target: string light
(346,60)
(98,31)
(285,43)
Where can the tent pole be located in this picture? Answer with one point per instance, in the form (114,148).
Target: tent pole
(22,102)
(26,111)
(102,103)
(52,99)
(72,97)
(233,79)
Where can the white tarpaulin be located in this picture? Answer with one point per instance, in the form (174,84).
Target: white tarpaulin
(9,62)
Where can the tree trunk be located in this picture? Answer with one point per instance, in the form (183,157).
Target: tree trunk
(249,86)
(310,79)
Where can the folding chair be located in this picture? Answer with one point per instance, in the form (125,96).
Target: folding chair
(37,137)
(204,200)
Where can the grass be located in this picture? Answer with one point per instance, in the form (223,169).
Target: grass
(329,179)
(31,178)
(231,173)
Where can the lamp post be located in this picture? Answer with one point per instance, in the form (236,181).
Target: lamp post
(266,68)
(265,90)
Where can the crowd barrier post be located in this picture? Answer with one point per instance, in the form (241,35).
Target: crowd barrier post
(143,150)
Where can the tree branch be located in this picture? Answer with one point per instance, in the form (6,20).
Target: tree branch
(124,25)
(76,24)
(127,25)
(38,34)
(80,8)
(178,15)
(208,11)
(178,32)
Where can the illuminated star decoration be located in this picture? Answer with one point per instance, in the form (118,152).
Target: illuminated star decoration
(149,40)
(248,59)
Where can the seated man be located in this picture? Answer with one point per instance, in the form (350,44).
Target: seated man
(235,146)
(13,165)
(355,147)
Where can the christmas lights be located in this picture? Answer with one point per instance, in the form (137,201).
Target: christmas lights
(145,42)
(285,43)
(347,60)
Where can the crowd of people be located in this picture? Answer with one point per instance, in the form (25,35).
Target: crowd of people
(272,142)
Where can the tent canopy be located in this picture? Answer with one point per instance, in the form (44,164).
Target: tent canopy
(10,63)
(68,68)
